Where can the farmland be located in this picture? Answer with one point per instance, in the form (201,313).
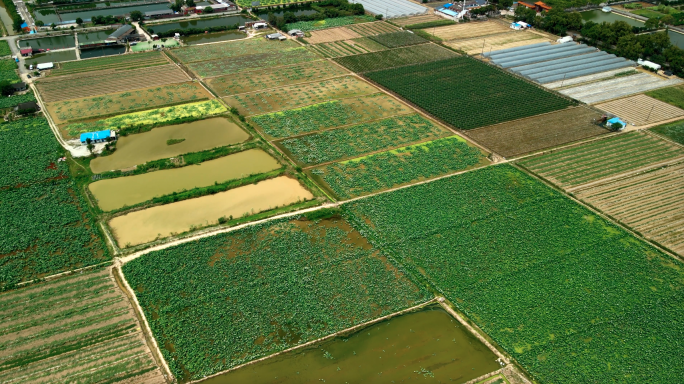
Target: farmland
(421,53)
(505,40)
(641,110)
(539,132)
(275,77)
(147,118)
(452,90)
(252,62)
(649,202)
(673,131)
(582,164)
(140,227)
(92,84)
(5,49)
(356,140)
(468,31)
(328,23)
(122,102)
(296,96)
(562,290)
(77,329)
(371,29)
(232,49)
(398,39)
(329,114)
(412,20)
(113,63)
(670,95)
(346,48)
(330,35)
(318,277)
(57,233)
(8,71)
(400,166)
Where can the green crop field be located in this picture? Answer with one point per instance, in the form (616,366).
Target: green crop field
(328,23)
(346,48)
(602,158)
(572,297)
(398,39)
(275,77)
(113,63)
(385,170)
(225,300)
(77,329)
(14,100)
(357,140)
(8,71)
(373,61)
(670,95)
(329,114)
(253,62)
(45,224)
(232,49)
(453,91)
(5,48)
(673,131)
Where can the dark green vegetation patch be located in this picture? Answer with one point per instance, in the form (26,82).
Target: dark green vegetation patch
(8,71)
(341,143)
(572,297)
(395,57)
(232,298)
(398,39)
(401,166)
(674,131)
(14,100)
(45,226)
(467,93)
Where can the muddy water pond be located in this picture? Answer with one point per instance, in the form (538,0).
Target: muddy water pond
(428,346)
(143,226)
(55,56)
(143,147)
(52,42)
(116,193)
(102,51)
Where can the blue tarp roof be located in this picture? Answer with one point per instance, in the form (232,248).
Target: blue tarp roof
(615,120)
(99,135)
(449,12)
(24,25)
(447,5)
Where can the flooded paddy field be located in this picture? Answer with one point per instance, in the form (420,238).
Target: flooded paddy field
(143,147)
(165,220)
(116,193)
(425,346)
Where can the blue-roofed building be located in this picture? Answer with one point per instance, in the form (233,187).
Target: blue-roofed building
(616,123)
(448,12)
(98,137)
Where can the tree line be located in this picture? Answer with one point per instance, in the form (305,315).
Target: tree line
(326,9)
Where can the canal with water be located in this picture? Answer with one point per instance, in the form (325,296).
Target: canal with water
(199,24)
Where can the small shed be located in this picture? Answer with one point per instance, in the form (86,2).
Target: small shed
(19,87)
(274,36)
(44,66)
(26,52)
(98,137)
(161,14)
(649,64)
(120,34)
(295,32)
(27,107)
(617,122)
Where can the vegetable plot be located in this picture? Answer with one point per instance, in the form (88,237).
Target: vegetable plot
(572,297)
(467,93)
(328,23)
(374,61)
(385,170)
(398,39)
(225,300)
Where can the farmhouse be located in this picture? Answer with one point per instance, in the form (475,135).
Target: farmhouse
(29,106)
(19,87)
(161,14)
(216,8)
(120,34)
(26,52)
(98,137)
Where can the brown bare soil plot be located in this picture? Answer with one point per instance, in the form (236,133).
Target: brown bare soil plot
(641,110)
(332,34)
(109,81)
(403,21)
(539,132)
(468,30)
(504,40)
(371,29)
(75,329)
(651,203)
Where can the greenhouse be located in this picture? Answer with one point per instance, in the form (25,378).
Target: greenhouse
(392,8)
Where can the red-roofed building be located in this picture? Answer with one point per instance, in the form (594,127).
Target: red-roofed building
(26,52)
(541,7)
(528,5)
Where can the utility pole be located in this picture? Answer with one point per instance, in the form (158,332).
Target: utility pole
(563,80)
(649,113)
(483,45)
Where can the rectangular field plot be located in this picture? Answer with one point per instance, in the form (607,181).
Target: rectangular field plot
(296,96)
(562,290)
(256,291)
(347,47)
(98,83)
(75,329)
(641,110)
(600,159)
(618,87)
(140,227)
(114,63)
(274,77)
(467,93)
(330,35)
(122,102)
(232,49)
(411,20)
(356,177)
(398,39)
(670,95)
(476,46)
(330,114)
(539,132)
(673,131)
(650,203)
(421,53)
(371,29)
(357,140)
(270,59)
(468,31)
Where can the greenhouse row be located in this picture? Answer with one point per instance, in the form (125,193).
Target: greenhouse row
(391,8)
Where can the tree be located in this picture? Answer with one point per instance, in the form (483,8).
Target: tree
(176,7)
(628,46)
(652,23)
(290,17)
(272,18)
(667,19)
(53,26)
(72,27)
(136,16)
(79,21)
(208,9)
(40,23)
(6,88)
(190,3)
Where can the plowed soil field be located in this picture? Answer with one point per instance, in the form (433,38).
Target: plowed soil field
(505,40)
(332,34)
(371,29)
(468,30)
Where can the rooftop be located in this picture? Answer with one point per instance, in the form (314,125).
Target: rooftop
(99,135)
(120,32)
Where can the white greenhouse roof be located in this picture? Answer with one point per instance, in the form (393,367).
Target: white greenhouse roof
(391,8)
